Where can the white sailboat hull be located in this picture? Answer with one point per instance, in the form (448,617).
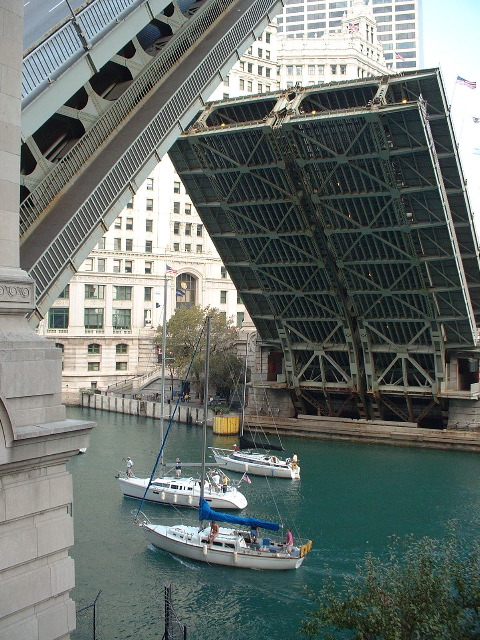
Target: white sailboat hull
(255,464)
(182,492)
(228,549)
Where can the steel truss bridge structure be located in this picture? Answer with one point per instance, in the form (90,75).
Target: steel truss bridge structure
(341,214)
(103,98)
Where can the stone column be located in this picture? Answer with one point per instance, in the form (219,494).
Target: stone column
(36,439)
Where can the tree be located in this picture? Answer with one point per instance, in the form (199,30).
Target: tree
(183,331)
(423,590)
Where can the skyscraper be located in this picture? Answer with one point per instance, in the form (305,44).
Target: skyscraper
(398,25)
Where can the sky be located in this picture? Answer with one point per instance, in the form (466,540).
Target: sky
(452,42)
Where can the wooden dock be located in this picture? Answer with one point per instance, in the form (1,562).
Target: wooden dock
(375,432)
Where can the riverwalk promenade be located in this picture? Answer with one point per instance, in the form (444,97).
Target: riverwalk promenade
(305,426)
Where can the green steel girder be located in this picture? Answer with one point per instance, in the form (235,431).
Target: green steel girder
(346,229)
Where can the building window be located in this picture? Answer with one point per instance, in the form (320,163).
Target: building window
(101,265)
(240,318)
(239,299)
(343,69)
(226,82)
(93,349)
(188,248)
(149,204)
(65,294)
(121,318)
(147,294)
(260,53)
(289,70)
(260,88)
(176,246)
(120,366)
(117,265)
(199,248)
(267,54)
(176,228)
(223,297)
(199,230)
(267,37)
(101,244)
(121,348)
(118,223)
(58,318)
(93,366)
(93,318)
(176,187)
(311,69)
(188,208)
(150,184)
(242,84)
(117,244)
(148,267)
(242,66)
(223,272)
(333,69)
(188,229)
(128,266)
(260,70)
(148,246)
(129,224)
(122,293)
(249,86)
(129,244)
(321,69)
(148,225)
(267,87)
(176,207)
(130,204)
(94,292)
(267,72)
(186,287)
(298,70)
(250,67)
(88,264)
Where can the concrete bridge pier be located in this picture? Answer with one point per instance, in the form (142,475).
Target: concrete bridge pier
(36,439)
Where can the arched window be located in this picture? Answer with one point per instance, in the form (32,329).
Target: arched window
(121,348)
(93,349)
(186,290)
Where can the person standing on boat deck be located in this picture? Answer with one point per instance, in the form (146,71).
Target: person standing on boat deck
(213,531)
(216,480)
(289,541)
(253,534)
(178,468)
(235,448)
(224,483)
(129,469)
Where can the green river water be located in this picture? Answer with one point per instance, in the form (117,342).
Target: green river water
(350,498)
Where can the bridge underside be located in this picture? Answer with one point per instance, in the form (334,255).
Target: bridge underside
(341,214)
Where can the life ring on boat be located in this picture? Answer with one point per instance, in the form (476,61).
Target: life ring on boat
(305,548)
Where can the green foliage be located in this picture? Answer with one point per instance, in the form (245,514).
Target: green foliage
(183,331)
(423,590)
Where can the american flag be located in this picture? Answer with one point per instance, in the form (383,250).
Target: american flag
(353,27)
(169,269)
(467,83)
(246,479)
(398,56)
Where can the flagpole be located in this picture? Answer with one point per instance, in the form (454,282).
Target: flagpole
(164,357)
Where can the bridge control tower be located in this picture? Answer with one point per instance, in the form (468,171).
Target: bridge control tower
(342,215)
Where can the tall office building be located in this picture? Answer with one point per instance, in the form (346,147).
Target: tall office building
(398,25)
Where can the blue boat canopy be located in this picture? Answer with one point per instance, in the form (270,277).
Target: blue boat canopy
(206,513)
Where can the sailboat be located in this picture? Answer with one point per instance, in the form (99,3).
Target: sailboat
(238,546)
(184,491)
(247,459)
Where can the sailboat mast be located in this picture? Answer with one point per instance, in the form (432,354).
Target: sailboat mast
(244,395)
(164,357)
(205,408)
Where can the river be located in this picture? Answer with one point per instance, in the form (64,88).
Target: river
(350,498)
